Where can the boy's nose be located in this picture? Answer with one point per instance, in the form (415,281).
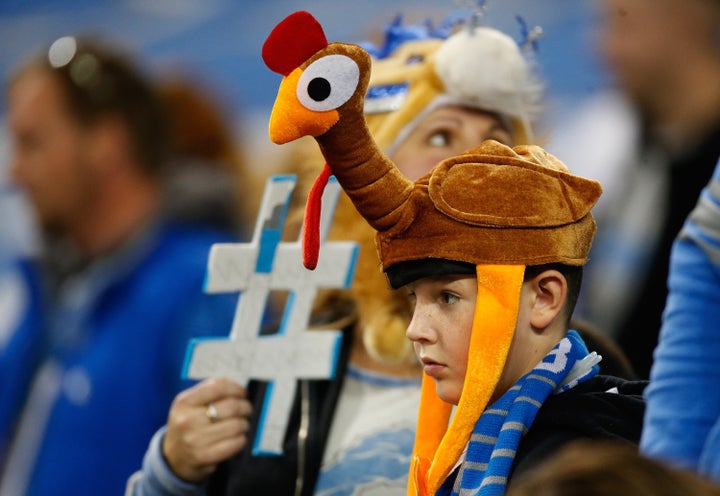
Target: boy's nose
(418,329)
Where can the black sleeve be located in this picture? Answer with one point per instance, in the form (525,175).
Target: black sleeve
(588,411)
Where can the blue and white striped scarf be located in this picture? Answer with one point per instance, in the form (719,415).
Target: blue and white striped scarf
(497,434)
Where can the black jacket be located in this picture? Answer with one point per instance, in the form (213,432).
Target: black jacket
(585,411)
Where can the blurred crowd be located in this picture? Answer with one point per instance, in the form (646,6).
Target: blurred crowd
(130,177)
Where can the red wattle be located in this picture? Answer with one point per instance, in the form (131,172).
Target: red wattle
(311,222)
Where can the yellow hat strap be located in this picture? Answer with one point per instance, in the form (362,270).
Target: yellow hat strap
(437,446)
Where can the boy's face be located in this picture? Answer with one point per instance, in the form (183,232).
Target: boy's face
(441,326)
(440,329)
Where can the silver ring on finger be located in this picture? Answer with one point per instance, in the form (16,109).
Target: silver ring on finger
(211,412)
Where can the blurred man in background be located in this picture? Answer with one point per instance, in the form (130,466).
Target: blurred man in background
(123,284)
(665,56)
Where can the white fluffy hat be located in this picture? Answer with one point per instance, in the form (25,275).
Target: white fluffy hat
(480,68)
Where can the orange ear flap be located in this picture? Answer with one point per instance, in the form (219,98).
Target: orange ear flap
(493,328)
(433,417)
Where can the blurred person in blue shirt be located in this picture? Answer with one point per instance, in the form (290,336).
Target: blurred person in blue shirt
(20,324)
(122,284)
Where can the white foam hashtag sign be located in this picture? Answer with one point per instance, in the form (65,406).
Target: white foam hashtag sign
(255,269)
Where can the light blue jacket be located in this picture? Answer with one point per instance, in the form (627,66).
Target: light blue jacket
(682,420)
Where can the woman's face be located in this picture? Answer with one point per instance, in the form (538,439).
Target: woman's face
(446,132)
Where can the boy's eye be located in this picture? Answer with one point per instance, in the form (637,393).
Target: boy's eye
(439,139)
(449,298)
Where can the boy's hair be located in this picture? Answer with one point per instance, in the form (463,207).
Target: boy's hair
(573,276)
(404,273)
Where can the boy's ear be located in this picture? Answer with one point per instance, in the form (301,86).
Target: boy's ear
(550,293)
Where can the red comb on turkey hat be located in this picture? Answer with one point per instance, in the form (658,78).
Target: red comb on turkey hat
(292,42)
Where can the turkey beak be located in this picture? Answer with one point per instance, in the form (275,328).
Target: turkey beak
(291,120)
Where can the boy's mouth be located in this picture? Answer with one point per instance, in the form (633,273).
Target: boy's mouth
(431,367)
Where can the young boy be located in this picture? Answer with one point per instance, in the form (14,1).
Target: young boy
(490,244)
(490,247)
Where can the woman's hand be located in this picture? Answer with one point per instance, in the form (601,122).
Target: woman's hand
(207,424)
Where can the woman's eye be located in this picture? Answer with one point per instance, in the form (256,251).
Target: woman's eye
(439,139)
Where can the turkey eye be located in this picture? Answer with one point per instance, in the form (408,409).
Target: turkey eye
(319,89)
(328,83)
